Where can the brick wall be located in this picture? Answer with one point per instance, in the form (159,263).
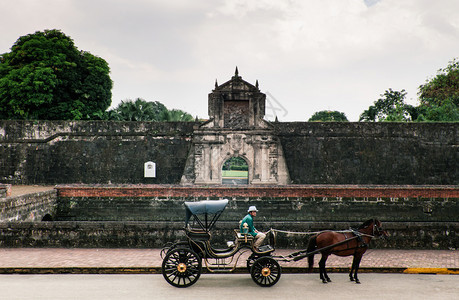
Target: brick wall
(146,216)
(356,191)
(279,203)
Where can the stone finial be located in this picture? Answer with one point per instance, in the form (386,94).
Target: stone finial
(216,83)
(236,73)
(256,84)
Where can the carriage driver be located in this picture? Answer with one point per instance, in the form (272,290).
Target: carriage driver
(259,236)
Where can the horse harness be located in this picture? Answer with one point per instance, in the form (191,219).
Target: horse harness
(355,235)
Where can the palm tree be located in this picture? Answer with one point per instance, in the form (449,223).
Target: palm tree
(138,110)
(176,115)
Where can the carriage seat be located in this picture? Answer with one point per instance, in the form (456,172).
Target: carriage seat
(197,235)
(241,238)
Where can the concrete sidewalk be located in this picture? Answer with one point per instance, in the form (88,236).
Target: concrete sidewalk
(116,261)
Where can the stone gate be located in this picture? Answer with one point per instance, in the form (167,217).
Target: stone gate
(236,129)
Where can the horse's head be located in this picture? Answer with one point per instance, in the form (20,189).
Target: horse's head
(378,230)
(374,228)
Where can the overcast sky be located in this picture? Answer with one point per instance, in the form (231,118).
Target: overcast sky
(308,55)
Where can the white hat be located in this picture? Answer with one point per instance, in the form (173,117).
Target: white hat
(252,208)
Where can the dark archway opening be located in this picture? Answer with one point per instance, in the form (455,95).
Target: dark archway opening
(47,218)
(235,171)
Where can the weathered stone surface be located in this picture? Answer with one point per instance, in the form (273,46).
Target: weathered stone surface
(31,207)
(371,153)
(279,209)
(5,190)
(152,215)
(412,235)
(45,152)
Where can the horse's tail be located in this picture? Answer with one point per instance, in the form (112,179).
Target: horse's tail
(312,245)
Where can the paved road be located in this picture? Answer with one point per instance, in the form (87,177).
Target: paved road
(235,181)
(228,286)
(30,258)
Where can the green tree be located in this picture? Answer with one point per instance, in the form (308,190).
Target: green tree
(138,110)
(439,96)
(46,77)
(446,112)
(391,107)
(328,116)
(443,87)
(236,164)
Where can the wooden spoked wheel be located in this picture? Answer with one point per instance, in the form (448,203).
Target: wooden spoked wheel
(181,267)
(266,271)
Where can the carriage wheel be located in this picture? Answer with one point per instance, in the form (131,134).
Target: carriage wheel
(266,271)
(181,267)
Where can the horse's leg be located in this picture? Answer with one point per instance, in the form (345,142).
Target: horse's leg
(357,259)
(351,274)
(323,272)
(326,275)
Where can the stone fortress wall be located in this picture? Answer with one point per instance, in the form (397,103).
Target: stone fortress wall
(305,176)
(58,152)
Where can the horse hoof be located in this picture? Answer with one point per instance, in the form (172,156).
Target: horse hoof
(352,279)
(357,281)
(324,281)
(328,280)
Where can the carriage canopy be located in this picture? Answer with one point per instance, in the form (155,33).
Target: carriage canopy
(206,212)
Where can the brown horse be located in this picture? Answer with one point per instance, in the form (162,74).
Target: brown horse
(344,243)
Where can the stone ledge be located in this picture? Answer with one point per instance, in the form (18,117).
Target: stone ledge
(5,190)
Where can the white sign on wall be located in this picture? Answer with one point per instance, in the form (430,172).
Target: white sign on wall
(150,169)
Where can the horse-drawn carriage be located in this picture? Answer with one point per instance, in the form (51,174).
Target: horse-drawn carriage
(182,261)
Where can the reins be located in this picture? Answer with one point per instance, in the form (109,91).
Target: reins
(319,232)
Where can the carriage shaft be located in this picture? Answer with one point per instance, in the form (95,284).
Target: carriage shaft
(296,256)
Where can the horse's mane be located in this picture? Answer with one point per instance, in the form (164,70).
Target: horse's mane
(366,223)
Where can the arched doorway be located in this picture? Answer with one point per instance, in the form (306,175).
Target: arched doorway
(235,171)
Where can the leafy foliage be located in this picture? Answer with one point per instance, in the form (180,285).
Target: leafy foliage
(439,97)
(443,87)
(446,112)
(328,116)
(138,110)
(176,115)
(46,77)
(141,110)
(391,107)
(235,164)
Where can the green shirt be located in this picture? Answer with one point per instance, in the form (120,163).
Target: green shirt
(249,220)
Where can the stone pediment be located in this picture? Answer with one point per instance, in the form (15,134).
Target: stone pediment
(237,104)
(236,87)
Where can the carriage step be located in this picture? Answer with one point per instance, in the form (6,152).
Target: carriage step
(265,248)
(221,270)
